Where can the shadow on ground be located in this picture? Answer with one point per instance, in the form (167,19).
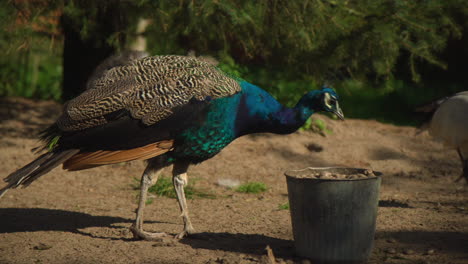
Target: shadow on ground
(14,220)
(393,203)
(30,116)
(241,243)
(454,242)
(440,240)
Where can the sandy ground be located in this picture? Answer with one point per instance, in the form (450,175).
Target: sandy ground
(83,217)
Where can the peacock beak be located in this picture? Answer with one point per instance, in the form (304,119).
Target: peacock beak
(338,112)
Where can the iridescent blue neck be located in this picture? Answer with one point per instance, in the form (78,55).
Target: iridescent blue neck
(260,112)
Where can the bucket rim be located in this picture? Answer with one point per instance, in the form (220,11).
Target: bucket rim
(377,174)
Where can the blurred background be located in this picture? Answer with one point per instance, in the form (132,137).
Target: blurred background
(384,57)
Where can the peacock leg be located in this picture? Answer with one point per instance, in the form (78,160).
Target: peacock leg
(179,179)
(465,170)
(465,167)
(149,178)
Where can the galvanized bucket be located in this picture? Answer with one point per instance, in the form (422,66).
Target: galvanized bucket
(333,220)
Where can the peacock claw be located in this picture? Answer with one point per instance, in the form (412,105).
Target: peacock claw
(187,231)
(140,234)
(183,234)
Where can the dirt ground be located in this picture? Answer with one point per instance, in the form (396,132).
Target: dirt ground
(83,217)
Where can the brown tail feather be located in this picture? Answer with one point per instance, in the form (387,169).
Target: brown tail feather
(87,160)
(49,165)
(38,167)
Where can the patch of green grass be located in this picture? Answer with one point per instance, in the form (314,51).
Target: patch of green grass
(284,206)
(164,187)
(317,126)
(252,187)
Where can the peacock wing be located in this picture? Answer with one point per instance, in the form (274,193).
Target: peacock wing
(134,111)
(149,89)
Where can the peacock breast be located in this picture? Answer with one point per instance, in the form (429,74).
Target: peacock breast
(206,139)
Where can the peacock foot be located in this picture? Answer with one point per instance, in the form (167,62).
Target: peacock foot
(139,233)
(464,173)
(187,231)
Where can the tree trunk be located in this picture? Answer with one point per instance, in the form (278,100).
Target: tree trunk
(82,55)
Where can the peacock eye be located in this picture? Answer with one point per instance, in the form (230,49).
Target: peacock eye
(329,101)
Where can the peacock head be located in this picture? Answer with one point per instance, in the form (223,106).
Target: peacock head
(330,102)
(324,99)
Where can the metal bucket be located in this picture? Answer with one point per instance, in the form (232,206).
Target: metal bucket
(333,220)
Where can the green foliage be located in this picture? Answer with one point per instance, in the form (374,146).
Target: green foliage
(284,206)
(53,143)
(25,25)
(365,48)
(30,65)
(288,88)
(164,187)
(251,187)
(31,74)
(103,22)
(316,125)
(307,125)
(394,101)
(314,37)
(390,101)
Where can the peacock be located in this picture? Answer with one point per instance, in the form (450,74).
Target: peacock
(449,123)
(168,110)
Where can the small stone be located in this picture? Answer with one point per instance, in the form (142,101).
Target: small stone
(391,251)
(408,252)
(391,240)
(430,251)
(314,147)
(228,183)
(42,246)
(325,175)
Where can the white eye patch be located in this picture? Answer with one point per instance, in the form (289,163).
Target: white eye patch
(327,100)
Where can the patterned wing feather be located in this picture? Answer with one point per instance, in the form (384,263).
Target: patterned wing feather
(149,89)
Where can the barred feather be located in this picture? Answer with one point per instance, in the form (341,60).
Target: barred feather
(148,88)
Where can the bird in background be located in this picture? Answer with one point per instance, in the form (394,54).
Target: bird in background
(449,123)
(168,110)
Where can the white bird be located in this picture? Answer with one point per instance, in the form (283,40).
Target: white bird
(449,124)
